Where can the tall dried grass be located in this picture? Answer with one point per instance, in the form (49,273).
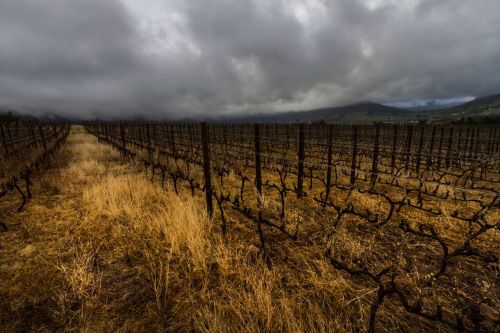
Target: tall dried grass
(115,252)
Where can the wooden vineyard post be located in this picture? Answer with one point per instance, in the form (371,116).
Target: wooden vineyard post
(459,146)
(33,136)
(9,133)
(478,143)
(440,149)
(258,174)
(122,135)
(450,145)
(148,138)
(42,135)
(193,133)
(471,144)
(300,162)
(206,167)
(409,136)
(420,146)
(224,132)
(354,155)
(154,135)
(375,155)
(329,167)
(241,140)
(496,141)
(172,139)
(287,136)
(105,130)
(4,140)
(144,135)
(466,144)
(490,135)
(394,147)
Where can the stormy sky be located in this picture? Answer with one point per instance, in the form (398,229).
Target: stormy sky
(184,58)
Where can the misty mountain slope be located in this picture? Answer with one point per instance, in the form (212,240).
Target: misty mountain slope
(480,107)
(368,112)
(360,112)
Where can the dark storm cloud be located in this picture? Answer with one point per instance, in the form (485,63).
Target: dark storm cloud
(64,54)
(183,58)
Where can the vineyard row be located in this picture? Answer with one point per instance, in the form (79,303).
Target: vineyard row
(397,181)
(26,148)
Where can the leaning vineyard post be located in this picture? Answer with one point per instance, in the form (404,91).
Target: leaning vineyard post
(206,167)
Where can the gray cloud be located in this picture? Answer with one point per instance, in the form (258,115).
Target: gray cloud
(184,58)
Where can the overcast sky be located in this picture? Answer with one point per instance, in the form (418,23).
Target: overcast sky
(179,58)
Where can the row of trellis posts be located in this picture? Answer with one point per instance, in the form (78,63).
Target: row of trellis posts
(33,133)
(435,144)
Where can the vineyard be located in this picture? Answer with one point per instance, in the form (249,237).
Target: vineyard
(411,210)
(154,226)
(26,149)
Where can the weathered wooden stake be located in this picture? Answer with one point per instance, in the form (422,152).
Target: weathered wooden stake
(122,135)
(394,147)
(329,168)
(33,136)
(450,145)
(4,140)
(420,146)
(42,135)
(440,149)
(354,155)
(300,162)
(375,155)
(258,175)
(206,167)
(409,137)
(172,140)
(471,144)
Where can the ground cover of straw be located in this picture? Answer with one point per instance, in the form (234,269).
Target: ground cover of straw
(102,248)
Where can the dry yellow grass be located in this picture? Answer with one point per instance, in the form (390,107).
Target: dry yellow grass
(101,248)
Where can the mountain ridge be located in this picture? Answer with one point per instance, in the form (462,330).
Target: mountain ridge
(483,107)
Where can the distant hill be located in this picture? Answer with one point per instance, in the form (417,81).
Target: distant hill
(10,114)
(477,110)
(434,106)
(360,112)
(481,108)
